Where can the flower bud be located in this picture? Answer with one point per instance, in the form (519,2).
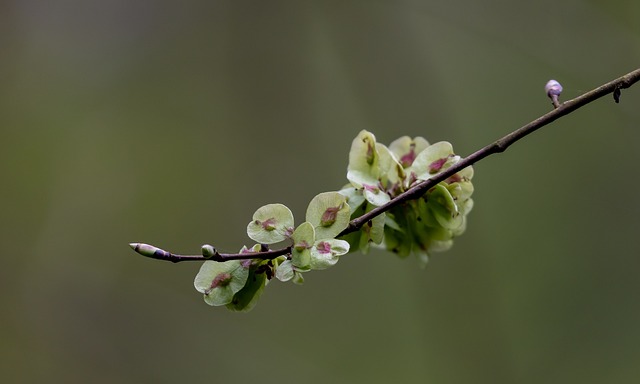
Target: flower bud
(553,88)
(208,251)
(149,250)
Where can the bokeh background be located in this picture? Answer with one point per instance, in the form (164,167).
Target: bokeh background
(171,122)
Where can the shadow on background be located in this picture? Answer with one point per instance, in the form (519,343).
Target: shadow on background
(171,123)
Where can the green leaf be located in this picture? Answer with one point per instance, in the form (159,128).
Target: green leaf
(287,271)
(219,281)
(253,249)
(397,242)
(460,184)
(398,238)
(363,160)
(353,238)
(461,190)
(390,222)
(433,160)
(407,149)
(461,228)
(325,253)
(465,174)
(391,171)
(303,238)
(248,296)
(466,206)
(354,196)
(329,214)
(284,271)
(374,229)
(297,278)
(425,234)
(375,195)
(371,232)
(440,246)
(271,223)
(444,208)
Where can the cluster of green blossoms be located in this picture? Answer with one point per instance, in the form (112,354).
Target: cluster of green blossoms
(377,174)
(239,283)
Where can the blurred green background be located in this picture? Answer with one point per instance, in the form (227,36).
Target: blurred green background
(171,122)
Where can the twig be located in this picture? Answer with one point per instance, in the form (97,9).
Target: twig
(160,254)
(499,146)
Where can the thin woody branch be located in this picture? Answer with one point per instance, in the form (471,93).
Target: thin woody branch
(560,109)
(160,254)
(500,145)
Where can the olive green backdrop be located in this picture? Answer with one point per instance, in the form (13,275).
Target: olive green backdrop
(171,122)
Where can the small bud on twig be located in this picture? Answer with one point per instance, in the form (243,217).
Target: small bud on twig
(553,90)
(208,251)
(146,249)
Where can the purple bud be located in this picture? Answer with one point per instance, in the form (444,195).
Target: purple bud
(553,88)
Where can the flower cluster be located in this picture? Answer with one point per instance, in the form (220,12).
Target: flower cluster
(378,173)
(239,283)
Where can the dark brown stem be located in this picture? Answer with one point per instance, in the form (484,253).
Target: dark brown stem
(420,189)
(500,145)
(160,254)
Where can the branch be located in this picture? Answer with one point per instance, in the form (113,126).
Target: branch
(160,254)
(415,192)
(501,145)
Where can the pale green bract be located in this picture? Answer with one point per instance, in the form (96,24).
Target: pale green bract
(391,171)
(220,281)
(286,270)
(405,149)
(271,223)
(246,298)
(354,197)
(303,238)
(434,159)
(363,160)
(375,195)
(329,214)
(325,253)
